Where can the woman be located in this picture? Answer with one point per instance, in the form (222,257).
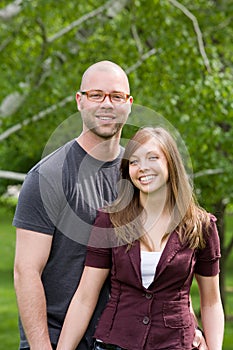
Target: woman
(153,239)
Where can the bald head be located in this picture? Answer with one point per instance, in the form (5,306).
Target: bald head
(106,68)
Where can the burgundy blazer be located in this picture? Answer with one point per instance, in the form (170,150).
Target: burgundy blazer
(159,317)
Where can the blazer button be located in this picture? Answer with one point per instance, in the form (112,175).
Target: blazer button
(148,296)
(146,320)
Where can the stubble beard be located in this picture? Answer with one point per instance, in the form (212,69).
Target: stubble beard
(107,133)
(104,131)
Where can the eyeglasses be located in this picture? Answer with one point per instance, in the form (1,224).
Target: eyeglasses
(99,96)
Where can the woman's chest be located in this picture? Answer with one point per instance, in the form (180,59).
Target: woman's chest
(175,267)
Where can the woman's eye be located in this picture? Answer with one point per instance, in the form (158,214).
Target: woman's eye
(133,162)
(153,157)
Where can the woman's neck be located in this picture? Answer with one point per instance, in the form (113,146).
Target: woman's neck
(154,202)
(157,213)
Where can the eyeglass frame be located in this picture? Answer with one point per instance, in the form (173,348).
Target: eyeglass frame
(127,96)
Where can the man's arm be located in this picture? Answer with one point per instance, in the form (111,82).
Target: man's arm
(31,255)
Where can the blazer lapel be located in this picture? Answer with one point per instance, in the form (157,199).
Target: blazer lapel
(135,258)
(172,247)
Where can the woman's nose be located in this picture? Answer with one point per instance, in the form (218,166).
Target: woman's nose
(143,165)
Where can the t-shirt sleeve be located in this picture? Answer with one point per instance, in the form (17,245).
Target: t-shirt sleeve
(99,250)
(207,263)
(32,212)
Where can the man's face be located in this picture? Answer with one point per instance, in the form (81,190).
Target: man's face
(105,119)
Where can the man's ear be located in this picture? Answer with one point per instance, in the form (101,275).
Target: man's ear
(78,97)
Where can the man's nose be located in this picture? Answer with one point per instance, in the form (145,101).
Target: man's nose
(106,101)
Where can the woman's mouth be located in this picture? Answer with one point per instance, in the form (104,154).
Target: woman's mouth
(146,178)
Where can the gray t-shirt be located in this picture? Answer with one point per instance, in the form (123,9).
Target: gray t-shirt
(60,197)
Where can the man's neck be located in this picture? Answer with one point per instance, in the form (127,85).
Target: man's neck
(100,148)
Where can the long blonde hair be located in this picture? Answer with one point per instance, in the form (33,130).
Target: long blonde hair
(126,213)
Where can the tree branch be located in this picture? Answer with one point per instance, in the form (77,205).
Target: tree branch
(5,43)
(208,172)
(79,21)
(11,10)
(143,58)
(197,31)
(137,38)
(12,175)
(36,117)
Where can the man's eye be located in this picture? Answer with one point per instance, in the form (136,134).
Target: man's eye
(95,95)
(117,96)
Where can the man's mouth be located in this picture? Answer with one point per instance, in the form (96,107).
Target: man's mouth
(105,117)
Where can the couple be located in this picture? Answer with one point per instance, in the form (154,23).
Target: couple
(152,244)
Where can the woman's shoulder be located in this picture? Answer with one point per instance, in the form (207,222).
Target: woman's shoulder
(211,234)
(212,217)
(102,218)
(102,233)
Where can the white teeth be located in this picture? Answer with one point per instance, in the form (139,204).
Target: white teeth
(146,178)
(105,118)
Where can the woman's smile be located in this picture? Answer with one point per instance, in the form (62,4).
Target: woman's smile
(145,179)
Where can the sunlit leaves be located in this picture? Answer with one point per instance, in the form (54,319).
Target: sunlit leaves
(45,68)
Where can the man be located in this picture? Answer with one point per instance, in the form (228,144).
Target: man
(58,204)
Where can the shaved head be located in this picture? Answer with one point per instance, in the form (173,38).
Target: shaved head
(104,67)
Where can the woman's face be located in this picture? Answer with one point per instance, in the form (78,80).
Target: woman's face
(148,168)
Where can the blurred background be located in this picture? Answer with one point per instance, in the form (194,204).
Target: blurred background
(178,56)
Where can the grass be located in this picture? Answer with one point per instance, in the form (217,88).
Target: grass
(9,338)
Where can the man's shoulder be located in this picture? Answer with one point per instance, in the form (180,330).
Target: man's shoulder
(54,160)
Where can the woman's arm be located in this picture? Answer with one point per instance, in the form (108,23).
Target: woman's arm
(82,307)
(198,340)
(212,315)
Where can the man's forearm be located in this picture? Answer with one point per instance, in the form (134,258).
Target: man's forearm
(32,309)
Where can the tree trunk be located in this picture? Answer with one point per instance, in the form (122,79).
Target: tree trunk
(219,212)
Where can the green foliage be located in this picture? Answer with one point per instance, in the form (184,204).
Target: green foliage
(180,64)
(173,81)
(43,68)
(186,77)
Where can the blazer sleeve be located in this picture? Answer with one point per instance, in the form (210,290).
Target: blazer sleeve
(99,252)
(207,263)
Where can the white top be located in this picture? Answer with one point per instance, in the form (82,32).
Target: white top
(149,262)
